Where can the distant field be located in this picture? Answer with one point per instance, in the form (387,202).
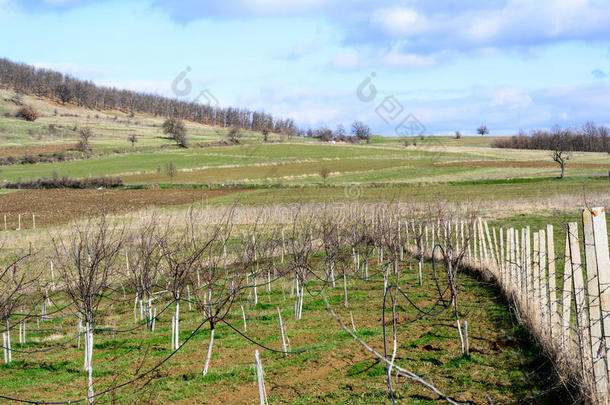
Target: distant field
(301,163)
(55,207)
(435,167)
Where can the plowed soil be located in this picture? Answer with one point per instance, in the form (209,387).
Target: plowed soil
(54,207)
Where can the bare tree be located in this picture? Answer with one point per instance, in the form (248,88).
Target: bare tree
(218,288)
(324,173)
(170,170)
(16,282)
(418,221)
(85,134)
(483,130)
(561,151)
(361,131)
(588,138)
(324,134)
(182,257)
(133,138)
(143,265)
(453,231)
(340,131)
(85,260)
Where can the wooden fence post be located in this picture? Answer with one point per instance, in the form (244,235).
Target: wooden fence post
(497,264)
(582,318)
(544,305)
(525,264)
(509,264)
(502,261)
(566,299)
(469,245)
(518,268)
(555,323)
(536,274)
(600,232)
(528,267)
(598,272)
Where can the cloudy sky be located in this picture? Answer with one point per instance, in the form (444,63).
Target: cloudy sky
(451,64)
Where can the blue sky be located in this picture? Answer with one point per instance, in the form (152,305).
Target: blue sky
(512,64)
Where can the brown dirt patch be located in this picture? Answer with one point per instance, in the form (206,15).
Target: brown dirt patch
(54,207)
(35,150)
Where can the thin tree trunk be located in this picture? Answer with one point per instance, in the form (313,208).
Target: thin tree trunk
(279,313)
(177,330)
(243,315)
(344,290)
(209,355)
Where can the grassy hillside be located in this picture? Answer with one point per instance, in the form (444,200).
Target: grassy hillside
(111,128)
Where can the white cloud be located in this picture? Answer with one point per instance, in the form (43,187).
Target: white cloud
(275,7)
(396,58)
(347,60)
(511,99)
(370,57)
(398,20)
(427,27)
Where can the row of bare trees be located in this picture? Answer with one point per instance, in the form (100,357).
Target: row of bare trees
(588,138)
(215,265)
(53,85)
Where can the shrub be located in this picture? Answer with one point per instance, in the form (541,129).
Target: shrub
(176,130)
(133,138)
(324,134)
(65,182)
(83,142)
(234,135)
(28,113)
(324,173)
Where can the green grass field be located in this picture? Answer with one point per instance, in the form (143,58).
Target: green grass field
(299,161)
(503,365)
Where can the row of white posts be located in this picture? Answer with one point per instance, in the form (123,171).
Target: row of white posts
(19,222)
(569,315)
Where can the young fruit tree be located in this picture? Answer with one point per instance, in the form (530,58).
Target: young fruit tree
(86,260)
(143,264)
(451,247)
(17,282)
